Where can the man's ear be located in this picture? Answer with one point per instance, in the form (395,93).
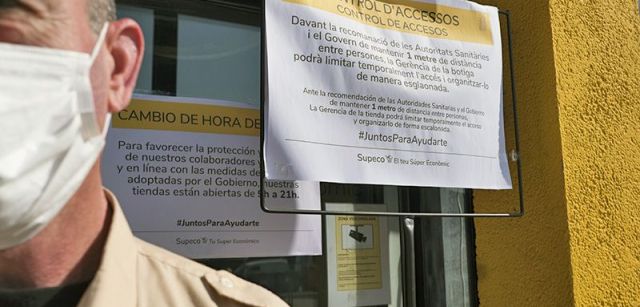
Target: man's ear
(126,48)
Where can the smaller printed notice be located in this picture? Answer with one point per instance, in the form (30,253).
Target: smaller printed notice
(385,92)
(358,253)
(358,259)
(187,175)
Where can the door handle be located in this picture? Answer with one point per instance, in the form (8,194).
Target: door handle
(409,261)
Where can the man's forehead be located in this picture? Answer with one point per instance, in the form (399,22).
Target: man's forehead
(29,5)
(51,23)
(39,7)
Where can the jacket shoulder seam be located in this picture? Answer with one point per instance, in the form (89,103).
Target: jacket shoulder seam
(179,263)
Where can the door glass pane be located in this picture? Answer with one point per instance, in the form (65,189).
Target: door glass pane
(455,249)
(218,60)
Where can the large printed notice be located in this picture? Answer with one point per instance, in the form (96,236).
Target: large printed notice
(385,92)
(186,173)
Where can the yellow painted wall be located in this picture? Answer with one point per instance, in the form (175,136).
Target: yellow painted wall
(526,261)
(597,55)
(578,84)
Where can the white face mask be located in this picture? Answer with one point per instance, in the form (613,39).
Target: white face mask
(49,134)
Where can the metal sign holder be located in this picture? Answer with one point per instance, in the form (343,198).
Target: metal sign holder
(515,156)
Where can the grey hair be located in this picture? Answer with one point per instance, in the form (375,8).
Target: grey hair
(101,11)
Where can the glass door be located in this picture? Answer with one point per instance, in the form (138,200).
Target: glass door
(211,50)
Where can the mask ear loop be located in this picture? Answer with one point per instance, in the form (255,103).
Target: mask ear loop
(99,42)
(107,124)
(90,124)
(94,54)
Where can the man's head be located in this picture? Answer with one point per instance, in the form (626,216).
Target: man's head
(60,26)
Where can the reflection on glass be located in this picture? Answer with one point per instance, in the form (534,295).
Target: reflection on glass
(144,17)
(218,60)
(295,279)
(444,244)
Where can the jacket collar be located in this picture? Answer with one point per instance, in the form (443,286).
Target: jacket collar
(115,281)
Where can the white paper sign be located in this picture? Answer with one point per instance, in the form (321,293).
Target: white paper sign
(186,173)
(373,92)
